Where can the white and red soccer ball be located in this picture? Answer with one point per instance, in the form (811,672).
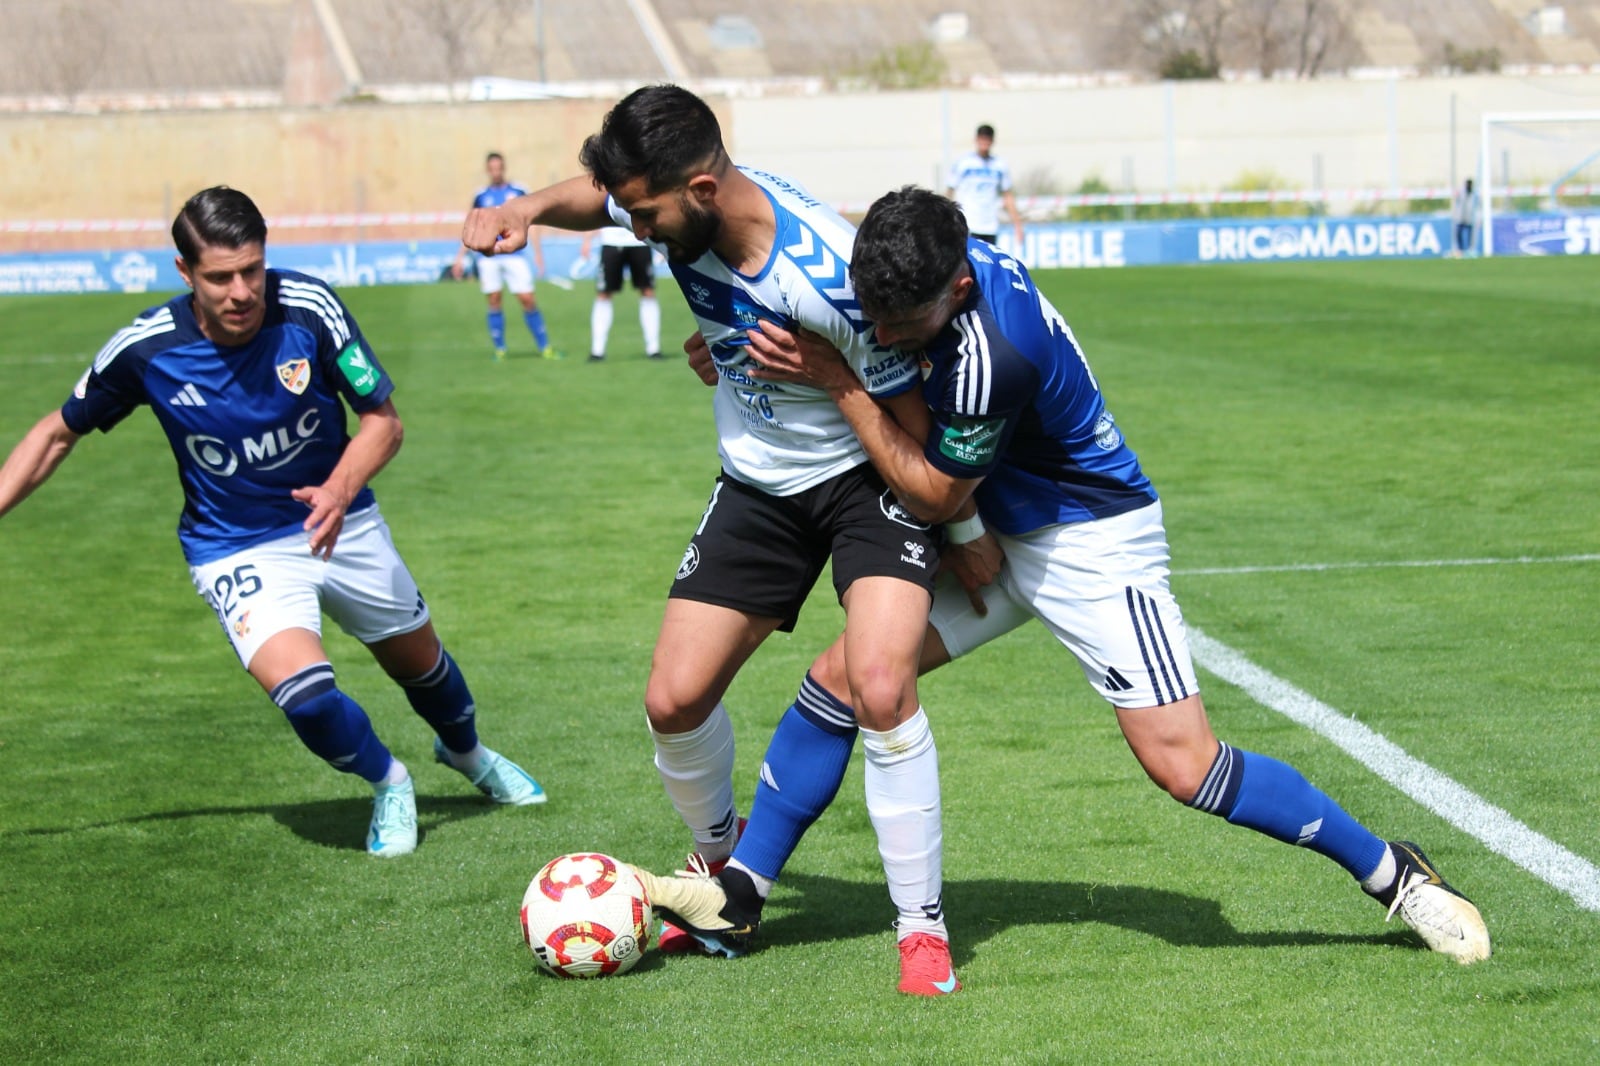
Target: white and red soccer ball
(586,915)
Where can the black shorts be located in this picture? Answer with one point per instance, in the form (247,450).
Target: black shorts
(639,260)
(761,554)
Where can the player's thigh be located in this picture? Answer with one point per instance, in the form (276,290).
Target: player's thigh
(641,268)
(260,592)
(490,270)
(959,626)
(700,648)
(609,277)
(518,274)
(872,535)
(1102,588)
(886,619)
(368,590)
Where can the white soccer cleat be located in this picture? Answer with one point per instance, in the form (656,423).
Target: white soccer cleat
(695,902)
(394,820)
(1447,921)
(498,778)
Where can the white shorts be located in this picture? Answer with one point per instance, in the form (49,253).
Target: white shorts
(1101,588)
(259,592)
(511,271)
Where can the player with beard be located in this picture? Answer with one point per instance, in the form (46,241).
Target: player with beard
(796,488)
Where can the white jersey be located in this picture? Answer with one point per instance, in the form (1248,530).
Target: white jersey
(784,439)
(979,183)
(617,237)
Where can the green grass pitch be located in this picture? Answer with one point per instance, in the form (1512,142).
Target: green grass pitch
(181,882)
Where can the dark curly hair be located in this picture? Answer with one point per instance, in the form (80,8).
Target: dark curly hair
(661,133)
(908,248)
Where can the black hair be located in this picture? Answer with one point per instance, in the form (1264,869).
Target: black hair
(986,130)
(908,248)
(218,217)
(661,133)
(491,157)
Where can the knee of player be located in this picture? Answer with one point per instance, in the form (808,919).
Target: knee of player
(882,696)
(307,695)
(673,709)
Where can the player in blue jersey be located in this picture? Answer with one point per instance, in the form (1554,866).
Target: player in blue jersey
(249,376)
(795,490)
(509,271)
(1019,424)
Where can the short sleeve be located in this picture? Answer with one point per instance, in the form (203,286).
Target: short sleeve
(343,353)
(1005,178)
(983,399)
(113,385)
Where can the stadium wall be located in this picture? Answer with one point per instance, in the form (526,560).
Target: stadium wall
(1046,246)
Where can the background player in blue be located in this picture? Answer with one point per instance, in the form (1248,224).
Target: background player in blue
(1019,423)
(249,376)
(507,272)
(795,492)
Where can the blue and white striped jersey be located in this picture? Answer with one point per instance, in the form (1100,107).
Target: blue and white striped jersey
(1015,403)
(247,425)
(784,439)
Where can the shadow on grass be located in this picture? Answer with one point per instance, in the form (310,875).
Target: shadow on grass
(333,823)
(831,909)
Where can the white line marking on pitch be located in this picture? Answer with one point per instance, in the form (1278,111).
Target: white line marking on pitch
(1289,568)
(1455,803)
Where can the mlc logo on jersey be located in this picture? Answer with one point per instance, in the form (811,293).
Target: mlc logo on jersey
(295,374)
(280,445)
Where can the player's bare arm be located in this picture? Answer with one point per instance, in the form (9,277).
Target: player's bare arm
(574,204)
(34,459)
(374,444)
(808,359)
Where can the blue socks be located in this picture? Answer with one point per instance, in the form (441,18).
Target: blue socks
(441,697)
(801,773)
(1271,797)
(331,724)
(497,328)
(535,321)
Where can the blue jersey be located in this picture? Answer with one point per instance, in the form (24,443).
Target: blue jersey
(1014,402)
(496,195)
(248,425)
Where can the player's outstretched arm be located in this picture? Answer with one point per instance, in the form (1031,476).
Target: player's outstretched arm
(34,459)
(376,441)
(574,204)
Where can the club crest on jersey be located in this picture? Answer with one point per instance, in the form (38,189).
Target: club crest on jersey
(295,375)
(894,512)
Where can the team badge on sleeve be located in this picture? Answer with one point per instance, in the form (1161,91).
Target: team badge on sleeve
(295,374)
(363,376)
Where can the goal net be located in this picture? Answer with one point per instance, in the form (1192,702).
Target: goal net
(1536,161)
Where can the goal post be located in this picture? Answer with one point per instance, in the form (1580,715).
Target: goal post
(1562,158)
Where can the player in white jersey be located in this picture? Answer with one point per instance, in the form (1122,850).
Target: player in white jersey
(249,376)
(1018,422)
(980,182)
(620,250)
(795,489)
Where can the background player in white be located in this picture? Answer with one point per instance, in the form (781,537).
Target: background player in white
(509,271)
(620,250)
(249,376)
(745,246)
(1018,422)
(980,182)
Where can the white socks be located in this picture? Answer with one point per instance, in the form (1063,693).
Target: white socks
(650,323)
(600,326)
(903,801)
(763,884)
(396,775)
(697,771)
(468,762)
(1380,879)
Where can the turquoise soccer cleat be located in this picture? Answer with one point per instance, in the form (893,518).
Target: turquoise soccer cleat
(394,820)
(499,778)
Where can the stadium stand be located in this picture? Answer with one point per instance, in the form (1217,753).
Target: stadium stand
(94,54)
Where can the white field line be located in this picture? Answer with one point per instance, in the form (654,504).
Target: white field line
(1456,804)
(1291,568)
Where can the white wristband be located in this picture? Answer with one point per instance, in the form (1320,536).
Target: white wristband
(965,531)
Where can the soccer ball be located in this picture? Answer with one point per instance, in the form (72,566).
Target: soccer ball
(586,915)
